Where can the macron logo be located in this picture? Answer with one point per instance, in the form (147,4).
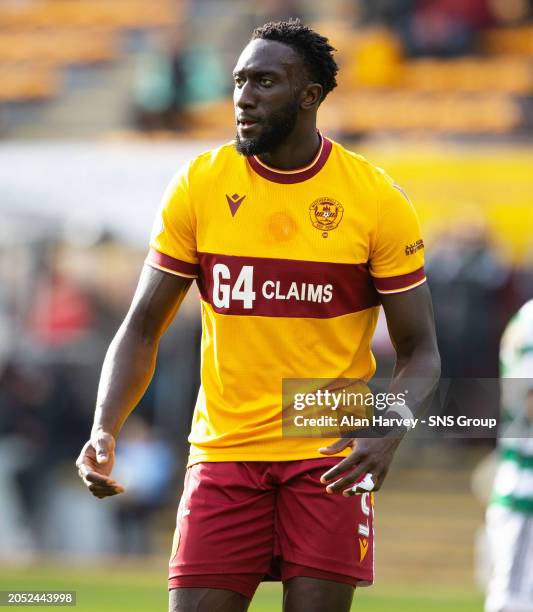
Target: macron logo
(234,202)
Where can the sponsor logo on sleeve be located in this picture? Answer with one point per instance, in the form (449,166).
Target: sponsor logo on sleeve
(411,249)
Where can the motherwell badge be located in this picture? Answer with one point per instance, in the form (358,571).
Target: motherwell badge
(326,214)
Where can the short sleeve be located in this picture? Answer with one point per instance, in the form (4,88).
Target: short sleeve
(397,257)
(173,239)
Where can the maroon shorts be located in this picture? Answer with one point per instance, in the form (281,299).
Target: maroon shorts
(240,523)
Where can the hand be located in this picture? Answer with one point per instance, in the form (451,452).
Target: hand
(95,465)
(369,455)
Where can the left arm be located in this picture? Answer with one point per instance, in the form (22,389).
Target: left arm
(412,330)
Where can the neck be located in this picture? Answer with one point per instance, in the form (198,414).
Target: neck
(297,151)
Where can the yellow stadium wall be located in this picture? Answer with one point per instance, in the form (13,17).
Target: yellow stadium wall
(452,186)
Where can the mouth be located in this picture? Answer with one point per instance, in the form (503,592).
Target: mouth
(246,123)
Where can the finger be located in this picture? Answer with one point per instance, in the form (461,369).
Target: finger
(93,477)
(105,487)
(336,447)
(348,480)
(95,485)
(102,492)
(83,455)
(99,478)
(105,491)
(341,467)
(104,446)
(366,485)
(83,470)
(99,490)
(100,482)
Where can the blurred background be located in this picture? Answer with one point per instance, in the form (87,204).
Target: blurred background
(100,102)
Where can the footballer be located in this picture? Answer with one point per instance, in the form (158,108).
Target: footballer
(294,243)
(509,518)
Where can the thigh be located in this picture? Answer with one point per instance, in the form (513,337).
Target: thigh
(224,529)
(303,594)
(328,533)
(206,600)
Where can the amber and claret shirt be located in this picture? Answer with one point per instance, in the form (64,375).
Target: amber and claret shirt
(290,265)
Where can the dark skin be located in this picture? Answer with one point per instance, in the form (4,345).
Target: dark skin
(268,76)
(412,331)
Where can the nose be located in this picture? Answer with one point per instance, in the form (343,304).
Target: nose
(244,96)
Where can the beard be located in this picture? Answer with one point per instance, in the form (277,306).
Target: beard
(275,131)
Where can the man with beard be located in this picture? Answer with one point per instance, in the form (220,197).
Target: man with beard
(294,243)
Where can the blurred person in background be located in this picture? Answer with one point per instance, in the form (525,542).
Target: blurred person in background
(386,12)
(446,28)
(22,442)
(160,90)
(249,220)
(36,400)
(440,28)
(471,287)
(63,291)
(41,391)
(509,520)
(145,466)
(511,12)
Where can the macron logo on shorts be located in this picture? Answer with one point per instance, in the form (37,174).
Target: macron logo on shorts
(363,548)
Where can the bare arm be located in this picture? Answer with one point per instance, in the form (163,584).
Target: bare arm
(127,371)
(412,331)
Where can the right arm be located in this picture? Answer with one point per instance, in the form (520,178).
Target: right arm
(127,371)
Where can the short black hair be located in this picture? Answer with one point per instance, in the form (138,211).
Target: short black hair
(313,48)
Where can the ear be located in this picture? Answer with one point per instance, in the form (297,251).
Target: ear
(310,96)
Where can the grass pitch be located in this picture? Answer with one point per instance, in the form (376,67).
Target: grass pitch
(115,588)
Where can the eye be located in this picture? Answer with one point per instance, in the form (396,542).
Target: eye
(266,82)
(238,81)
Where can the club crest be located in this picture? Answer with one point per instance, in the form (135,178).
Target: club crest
(326,214)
